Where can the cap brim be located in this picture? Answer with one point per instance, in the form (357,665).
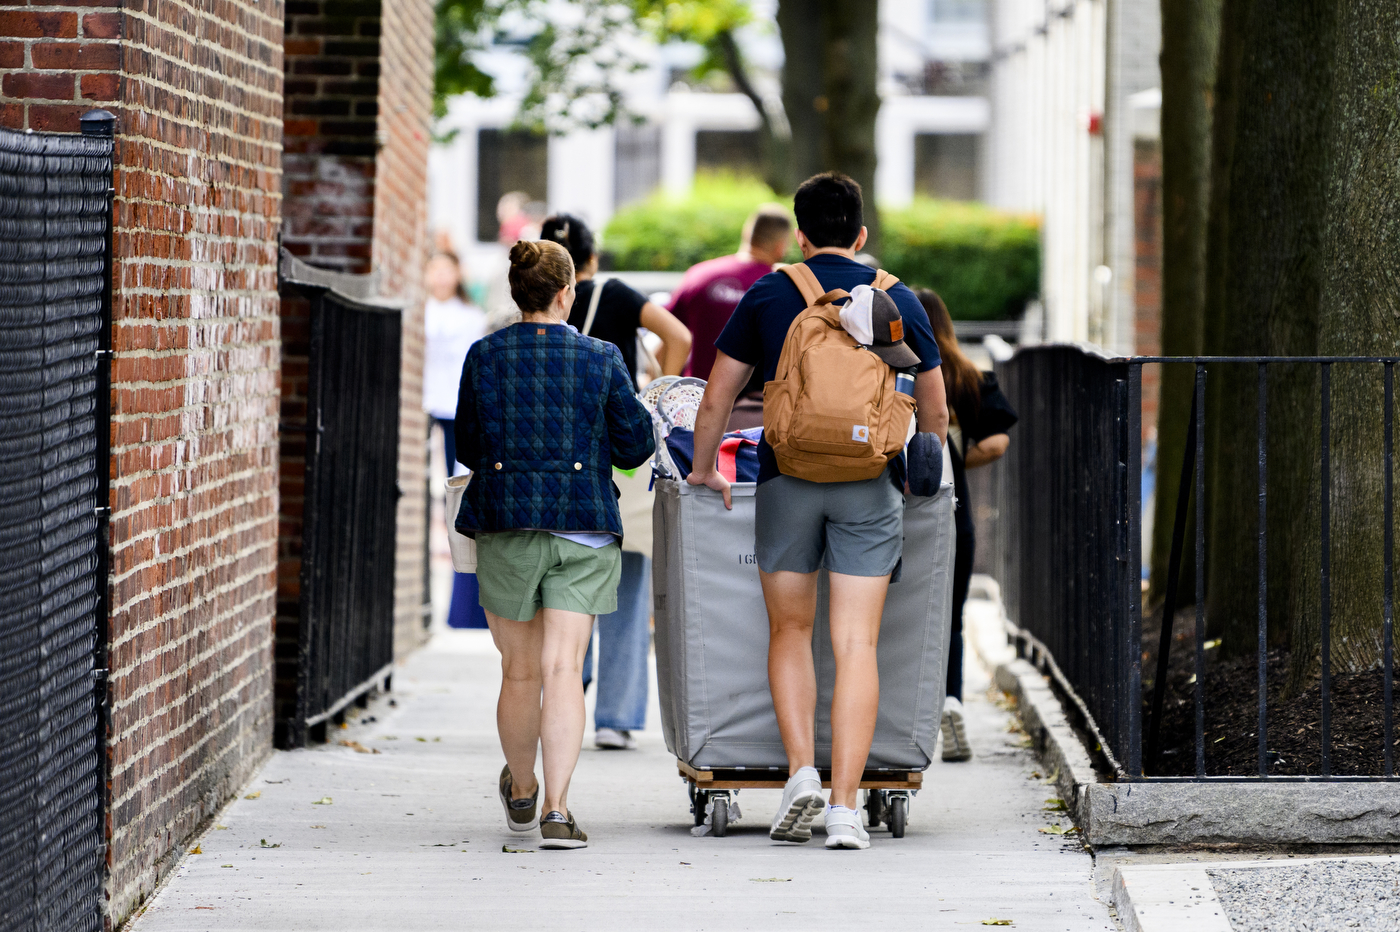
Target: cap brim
(897,355)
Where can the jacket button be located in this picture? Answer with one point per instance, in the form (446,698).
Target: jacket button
(498,465)
(577,467)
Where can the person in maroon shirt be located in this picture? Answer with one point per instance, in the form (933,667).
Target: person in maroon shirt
(710,291)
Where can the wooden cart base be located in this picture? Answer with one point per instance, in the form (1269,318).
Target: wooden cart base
(887,796)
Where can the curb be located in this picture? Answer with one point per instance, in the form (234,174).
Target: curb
(1172,813)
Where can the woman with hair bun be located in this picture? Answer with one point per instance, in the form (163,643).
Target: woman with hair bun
(543,415)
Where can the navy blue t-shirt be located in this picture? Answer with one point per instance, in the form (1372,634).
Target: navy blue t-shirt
(756,331)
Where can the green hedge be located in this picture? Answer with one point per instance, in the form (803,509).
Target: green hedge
(985,263)
(670,234)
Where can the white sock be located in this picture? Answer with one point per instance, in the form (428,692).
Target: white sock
(802,770)
(833,808)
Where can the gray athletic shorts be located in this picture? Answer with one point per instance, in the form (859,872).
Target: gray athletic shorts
(853,528)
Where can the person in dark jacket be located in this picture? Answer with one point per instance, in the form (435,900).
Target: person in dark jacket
(543,415)
(977,436)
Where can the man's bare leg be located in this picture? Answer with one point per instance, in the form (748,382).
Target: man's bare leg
(856,605)
(791,599)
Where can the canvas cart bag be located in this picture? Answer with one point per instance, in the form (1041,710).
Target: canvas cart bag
(832,412)
(712,635)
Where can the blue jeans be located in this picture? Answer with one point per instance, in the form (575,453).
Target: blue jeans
(624,643)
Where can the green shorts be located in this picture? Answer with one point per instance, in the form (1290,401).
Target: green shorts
(518,572)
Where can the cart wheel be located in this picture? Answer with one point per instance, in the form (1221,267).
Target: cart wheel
(899,811)
(698,798)
(873,814)
(719,817)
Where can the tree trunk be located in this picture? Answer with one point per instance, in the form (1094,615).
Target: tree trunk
(799,22)
(777,140)
(1190,41)
(1360,247)
(1264,287)
(829,91)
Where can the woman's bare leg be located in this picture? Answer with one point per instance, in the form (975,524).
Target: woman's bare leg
(856,605)
(518,708)
(566,637)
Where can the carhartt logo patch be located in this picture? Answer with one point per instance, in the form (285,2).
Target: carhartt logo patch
(896,331)
(860,433)
(539,331)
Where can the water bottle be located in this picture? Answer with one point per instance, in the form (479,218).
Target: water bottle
(904,382)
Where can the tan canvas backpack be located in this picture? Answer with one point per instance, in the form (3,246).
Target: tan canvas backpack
(832,412)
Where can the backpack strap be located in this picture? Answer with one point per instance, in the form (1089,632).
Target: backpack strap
(805,281)
(592,306)
(884,280)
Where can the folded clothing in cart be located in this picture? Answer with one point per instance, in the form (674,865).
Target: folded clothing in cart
(738,453)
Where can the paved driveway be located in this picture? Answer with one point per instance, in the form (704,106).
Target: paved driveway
(411,838)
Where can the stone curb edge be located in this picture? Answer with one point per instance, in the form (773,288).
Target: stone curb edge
(1185,813)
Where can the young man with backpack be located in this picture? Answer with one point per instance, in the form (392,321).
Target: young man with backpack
(831,493)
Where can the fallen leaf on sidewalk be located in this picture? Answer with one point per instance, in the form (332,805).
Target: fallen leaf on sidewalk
(424,740)
(358,748)
(253,795)
(323,801)
(225,865)
(507,849)
(262,843)
(770,880)
(1056,830)
(196,850)
(1054,805)
(996,922)
(318,826)
(221,828)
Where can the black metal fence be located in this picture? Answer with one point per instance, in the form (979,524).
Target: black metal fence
(1066,547)
(345,630)
(55,287)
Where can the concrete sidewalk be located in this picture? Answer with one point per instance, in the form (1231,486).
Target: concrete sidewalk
(411,838)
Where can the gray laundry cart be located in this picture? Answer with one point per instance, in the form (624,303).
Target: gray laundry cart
(712,653)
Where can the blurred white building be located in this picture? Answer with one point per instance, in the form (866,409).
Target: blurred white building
(1072,85)
(933,119)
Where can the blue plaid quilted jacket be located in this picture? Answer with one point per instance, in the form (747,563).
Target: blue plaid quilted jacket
(543,415)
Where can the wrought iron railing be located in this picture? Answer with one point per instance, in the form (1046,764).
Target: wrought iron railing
(336,641)
(55,314)
(1066,547)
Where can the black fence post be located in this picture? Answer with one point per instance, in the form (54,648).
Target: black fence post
(1132,575)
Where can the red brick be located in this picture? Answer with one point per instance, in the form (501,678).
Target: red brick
(11,54)
(30,84)
(100,86)
(32,24)
(92,56)
(55,118)
(102,26)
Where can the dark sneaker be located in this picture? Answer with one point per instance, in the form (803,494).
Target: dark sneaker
(521,814)
(560,832)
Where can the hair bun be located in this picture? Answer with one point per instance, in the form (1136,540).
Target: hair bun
(524,254)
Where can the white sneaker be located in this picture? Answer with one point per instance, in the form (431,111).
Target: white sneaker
(610,739)
(802,800)
(843,828)
(955,746)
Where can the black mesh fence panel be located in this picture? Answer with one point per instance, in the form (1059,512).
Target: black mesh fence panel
(55,217)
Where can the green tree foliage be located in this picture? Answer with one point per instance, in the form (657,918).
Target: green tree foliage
(580,51)
(985,263)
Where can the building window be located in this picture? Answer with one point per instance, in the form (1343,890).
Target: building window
(636,163)
(943,12)
(735,152)
(508,161)
(946,165)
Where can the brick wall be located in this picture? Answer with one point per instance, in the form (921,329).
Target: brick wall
(400,251)
(197,88)
(332,103)
(57,61)
(1147,279)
